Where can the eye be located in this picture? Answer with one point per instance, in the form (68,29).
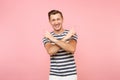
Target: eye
(53,20)
(58,18)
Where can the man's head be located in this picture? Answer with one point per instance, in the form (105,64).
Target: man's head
(53,12)
(56,20)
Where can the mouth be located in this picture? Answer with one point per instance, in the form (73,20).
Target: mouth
(57,26)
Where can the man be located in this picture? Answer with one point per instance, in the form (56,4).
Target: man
(60,45)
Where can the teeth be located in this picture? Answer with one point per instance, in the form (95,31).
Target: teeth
(57,26)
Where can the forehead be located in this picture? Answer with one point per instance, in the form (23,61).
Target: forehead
(55,16)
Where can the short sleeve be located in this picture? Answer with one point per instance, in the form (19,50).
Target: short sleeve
(74,37)
(45,40)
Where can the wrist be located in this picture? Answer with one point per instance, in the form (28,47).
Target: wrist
(54,40)
(64,39)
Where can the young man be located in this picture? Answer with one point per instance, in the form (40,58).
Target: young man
(60,45)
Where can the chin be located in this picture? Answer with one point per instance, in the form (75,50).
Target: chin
(58,29)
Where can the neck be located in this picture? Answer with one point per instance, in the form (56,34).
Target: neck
(59,31)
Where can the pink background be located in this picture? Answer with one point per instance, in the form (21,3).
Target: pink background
(24,22)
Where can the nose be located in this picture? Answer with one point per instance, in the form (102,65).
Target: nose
(56,22)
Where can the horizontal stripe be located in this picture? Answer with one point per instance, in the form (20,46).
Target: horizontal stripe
(63,74)
(65,63)
(63,70)
(60,67)
(62,61)
(62,53)
(61,58)
(73,67)
(62,64)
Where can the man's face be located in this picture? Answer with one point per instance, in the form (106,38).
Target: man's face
(56,21)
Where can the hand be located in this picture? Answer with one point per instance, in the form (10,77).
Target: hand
(69,35)
(71,32)
(49,36)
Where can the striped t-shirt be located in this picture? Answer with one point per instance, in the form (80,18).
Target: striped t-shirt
(62,63)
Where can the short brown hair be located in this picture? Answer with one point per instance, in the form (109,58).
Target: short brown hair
(53,12)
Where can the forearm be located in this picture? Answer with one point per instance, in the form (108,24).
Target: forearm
(65,46)
(55,48)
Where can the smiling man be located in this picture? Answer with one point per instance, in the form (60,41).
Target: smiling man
(60,45)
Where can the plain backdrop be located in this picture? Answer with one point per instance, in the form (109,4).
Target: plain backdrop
(24,22)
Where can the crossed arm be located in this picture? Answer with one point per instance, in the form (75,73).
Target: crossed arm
(67,46)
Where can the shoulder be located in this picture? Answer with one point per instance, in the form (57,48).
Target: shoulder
(66,31)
